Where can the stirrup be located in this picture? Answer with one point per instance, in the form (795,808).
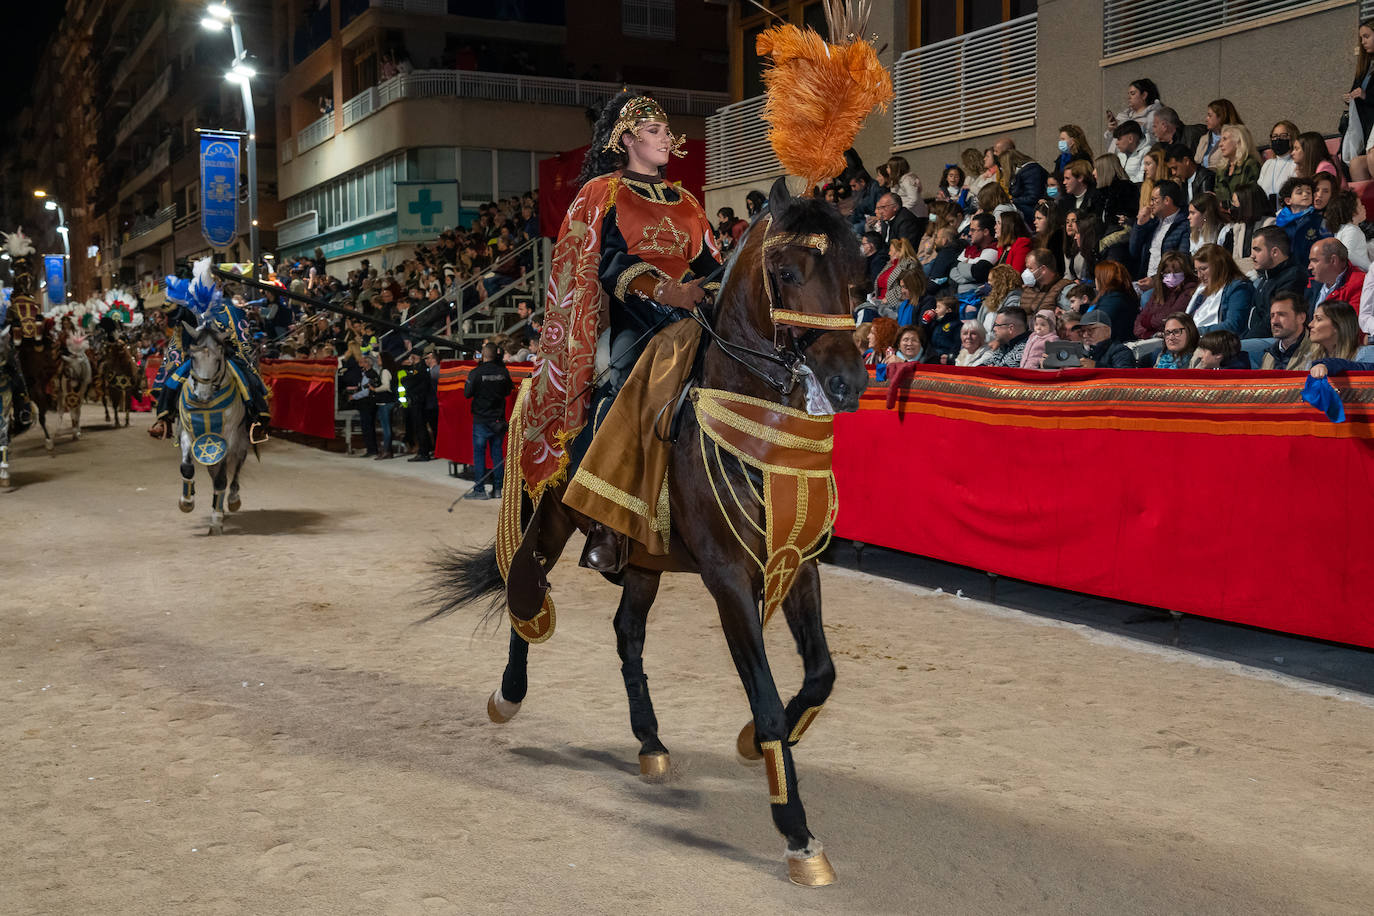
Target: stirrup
(252,430)
(606,550)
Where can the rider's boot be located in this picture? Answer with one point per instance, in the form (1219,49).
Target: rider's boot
(606,550)
(4,464)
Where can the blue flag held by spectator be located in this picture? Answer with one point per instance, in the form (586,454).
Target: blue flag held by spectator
(1320,393)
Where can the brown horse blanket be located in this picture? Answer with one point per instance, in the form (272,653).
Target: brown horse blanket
(622,481)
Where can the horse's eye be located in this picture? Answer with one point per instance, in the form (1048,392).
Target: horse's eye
(787,275)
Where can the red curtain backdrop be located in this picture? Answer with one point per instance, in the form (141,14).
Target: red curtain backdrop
(454,441)
(302,394)
(1217,494)
(558,180)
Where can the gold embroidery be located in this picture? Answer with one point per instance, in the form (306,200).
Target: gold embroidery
(777,771)
(662,522)
(803,724)
(632,273)
(610,492)
(815,240)
(656,191)
(713,407)
(666,238)
(813,320)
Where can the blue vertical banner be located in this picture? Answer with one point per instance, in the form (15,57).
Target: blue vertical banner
(55,272)
(219,188)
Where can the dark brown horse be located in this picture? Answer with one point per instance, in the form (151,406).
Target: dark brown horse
(121,380)
(807,278)
(34,346)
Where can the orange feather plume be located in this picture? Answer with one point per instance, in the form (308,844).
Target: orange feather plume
(818,95)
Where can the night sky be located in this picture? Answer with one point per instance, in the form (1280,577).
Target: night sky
(27,28)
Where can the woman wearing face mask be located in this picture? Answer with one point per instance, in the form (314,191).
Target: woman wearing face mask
(1174,286)
(1280,167)
(1073,144)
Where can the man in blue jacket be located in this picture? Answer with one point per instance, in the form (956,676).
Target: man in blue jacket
(1160,227)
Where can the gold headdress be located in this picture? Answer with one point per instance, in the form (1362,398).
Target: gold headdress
(819,93)
(636,112)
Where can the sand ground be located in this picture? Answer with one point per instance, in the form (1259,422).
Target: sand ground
(253,724)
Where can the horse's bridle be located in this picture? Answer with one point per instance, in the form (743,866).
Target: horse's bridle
(218,376)
(789,349)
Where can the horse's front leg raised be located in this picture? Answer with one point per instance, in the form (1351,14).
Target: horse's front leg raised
(639,589)
(734,590)
(802,607)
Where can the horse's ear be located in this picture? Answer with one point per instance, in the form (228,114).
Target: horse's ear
(779,197)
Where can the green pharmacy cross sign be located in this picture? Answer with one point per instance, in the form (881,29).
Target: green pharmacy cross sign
(425,208)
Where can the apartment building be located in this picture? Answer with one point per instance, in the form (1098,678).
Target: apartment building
(968,71)
(478,93)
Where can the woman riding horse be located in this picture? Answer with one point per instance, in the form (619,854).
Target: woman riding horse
(646,246)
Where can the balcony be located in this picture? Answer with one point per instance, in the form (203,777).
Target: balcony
(149,231)
(971,86)
(156,94)
(314,133)
(139,54)
(505,87)
(158,163)
(737,147)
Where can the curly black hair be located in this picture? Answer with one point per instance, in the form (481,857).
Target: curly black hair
(601,161)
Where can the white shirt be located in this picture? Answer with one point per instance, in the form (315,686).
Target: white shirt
(1275,172)
(1366,316)
(1355,243)
(1134,164)
(1157,243)
(1208,311)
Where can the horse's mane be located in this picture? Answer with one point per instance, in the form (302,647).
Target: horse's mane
(807,216)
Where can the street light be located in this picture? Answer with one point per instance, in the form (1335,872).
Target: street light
(219,15)
(50,203)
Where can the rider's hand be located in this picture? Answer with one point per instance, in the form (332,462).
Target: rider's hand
(680,295)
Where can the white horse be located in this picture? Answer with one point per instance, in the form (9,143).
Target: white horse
(212,414)
(74,381)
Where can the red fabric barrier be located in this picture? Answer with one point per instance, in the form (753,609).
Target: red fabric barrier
(1217,494)
(454,441)
(302,394)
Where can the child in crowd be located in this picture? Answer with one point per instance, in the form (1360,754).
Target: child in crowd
(944,332)
(1220,350)
(1079,295)
(1044,332)
(1299,219)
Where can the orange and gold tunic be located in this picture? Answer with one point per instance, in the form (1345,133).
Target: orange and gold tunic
(651,230)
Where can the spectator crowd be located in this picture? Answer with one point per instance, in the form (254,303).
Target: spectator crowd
(1153,241)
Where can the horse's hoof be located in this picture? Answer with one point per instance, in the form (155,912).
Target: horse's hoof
(654,767)
(744,745)
(234,503)
(216,529)
(185,506)
(809,867)
(499,709)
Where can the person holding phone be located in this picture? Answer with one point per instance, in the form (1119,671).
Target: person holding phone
(1142,103)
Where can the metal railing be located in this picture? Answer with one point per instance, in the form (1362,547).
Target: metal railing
(159,162)
(315,133)
(146,105)
(432,7)
(360,106)
(506,87)
(287,149)
(532,281)
(737,147)
(975,84)
(655,19)
(142,227)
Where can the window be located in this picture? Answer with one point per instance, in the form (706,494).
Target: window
(1131,26)
(747,71)
(513,173)
(936,20)
(192,198)
(656,19)
(476,176)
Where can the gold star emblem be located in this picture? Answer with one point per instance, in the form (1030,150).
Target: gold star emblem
(665,238)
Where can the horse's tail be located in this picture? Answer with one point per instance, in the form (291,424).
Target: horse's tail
(462,577)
